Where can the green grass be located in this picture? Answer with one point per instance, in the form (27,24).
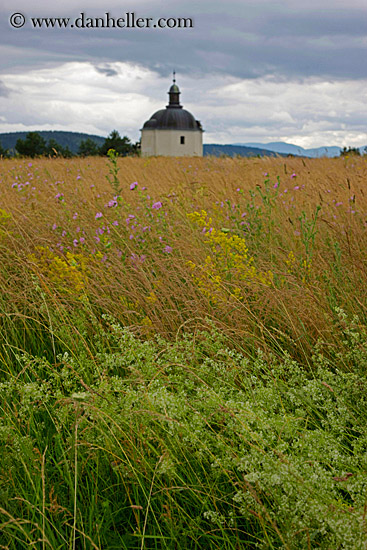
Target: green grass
(183,445)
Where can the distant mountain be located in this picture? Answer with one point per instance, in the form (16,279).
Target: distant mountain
(217,150)
(290,149)
(65,139)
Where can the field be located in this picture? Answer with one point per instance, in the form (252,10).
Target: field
(183,353)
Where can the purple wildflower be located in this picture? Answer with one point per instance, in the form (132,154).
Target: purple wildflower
(294,175)
(157,205)
(75,242)
(338,204)
(75,216)
(54,226)
(133,185)
(82,240)
(296,187)
(115,223)
(168,249)
(98,215)
(136,259)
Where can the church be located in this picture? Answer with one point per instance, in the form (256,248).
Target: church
(173,131)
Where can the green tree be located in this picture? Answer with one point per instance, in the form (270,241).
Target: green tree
(88,148)
(350,151)
(54,149)
(122,145)
(32,146)
(4,153)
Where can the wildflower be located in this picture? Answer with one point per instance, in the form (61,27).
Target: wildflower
(78,177)
(30,164)
(63,234)
(98,215)
(82,240)
(111,203)
(136,259)
(115,223)
(98,240)
(276,185)
(238,189)
(75,242)
(59,195)
(133,185)
(14,184)
(294,175)
(143,188)
(157,205)
(168,249)
(54,226)
(75,216)
(338,204)
(296,187)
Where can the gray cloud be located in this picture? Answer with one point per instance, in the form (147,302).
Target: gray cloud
(244,39)
(3,90)
(106,70)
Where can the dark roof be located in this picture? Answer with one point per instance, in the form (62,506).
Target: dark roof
(172,118)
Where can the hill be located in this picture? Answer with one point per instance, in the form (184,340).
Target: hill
(290,148)
(71,140)
(217,150)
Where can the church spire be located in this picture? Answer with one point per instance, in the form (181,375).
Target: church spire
(174,94)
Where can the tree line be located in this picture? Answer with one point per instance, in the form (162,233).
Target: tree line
(34,145)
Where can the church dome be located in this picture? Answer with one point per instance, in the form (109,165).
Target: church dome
(173,117)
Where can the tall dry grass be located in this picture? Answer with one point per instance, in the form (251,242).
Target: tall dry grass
(69,253)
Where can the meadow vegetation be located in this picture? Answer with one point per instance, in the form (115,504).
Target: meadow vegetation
(183,353)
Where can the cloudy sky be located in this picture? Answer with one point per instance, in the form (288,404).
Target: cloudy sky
(249,70)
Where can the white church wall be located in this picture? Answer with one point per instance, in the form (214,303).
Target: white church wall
(172,143)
